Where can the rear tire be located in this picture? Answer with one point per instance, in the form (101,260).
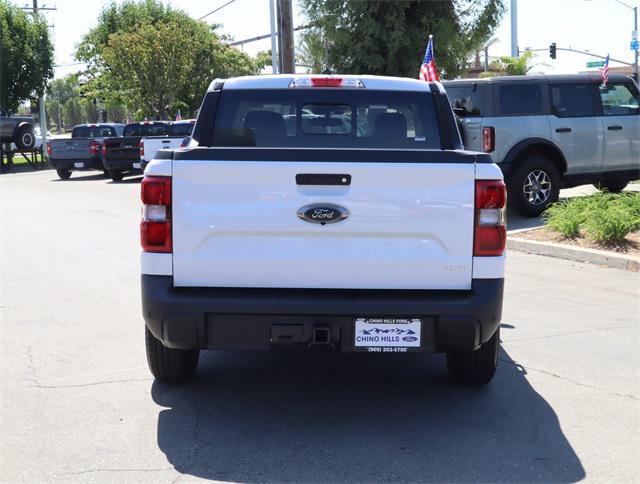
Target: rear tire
(612,186)
(25,138)
(533,185)
(169,365)
(63,173)
(475,368)
(116,175)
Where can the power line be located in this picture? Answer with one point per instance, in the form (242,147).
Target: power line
(215,10)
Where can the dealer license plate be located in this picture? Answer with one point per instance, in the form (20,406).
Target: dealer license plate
(78,165)
(387,335)
(136,165)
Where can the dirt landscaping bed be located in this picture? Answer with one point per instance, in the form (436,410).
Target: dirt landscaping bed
(629,246)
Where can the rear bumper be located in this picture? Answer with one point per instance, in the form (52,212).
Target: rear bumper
(123,165)
(244,318)
(88,164)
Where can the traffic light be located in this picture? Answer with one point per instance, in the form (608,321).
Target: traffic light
(552,50)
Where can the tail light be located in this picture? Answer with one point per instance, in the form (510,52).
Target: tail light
(141,149)
(155,228)
(104,149)
(94,147)
(48,149)
(326,82)
(488,139)
(490,235)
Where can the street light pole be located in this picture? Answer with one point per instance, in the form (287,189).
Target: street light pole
(514,28)
(635,28)
(43,114)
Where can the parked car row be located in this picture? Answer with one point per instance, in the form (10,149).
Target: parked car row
(116,149)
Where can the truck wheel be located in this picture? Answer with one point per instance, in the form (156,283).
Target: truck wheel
(63,173)
(612,186)
(116,175)
(167,364)
(25,138)
(533,185)
(475,367)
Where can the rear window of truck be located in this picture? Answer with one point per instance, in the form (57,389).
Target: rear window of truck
(181,129)
(336,118)
(93,132)
(154,129)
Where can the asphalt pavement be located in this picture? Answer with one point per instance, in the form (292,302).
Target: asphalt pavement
(78,403)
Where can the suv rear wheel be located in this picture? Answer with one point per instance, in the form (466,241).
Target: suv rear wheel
(25,138)
(533,185)
(475,367)
(168,364)
(612,186)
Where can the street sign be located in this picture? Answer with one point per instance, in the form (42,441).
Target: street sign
(634,35)
(635,45)
(595,64)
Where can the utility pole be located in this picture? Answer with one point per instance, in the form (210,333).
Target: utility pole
(635,28)
(43,114)
(274,47)
(285,37)
(514,28)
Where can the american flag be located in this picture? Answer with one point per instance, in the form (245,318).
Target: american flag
(178,116)
(605,71)
(428,70)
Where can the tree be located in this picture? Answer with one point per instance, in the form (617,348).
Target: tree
(72,111)
(515,66)
(154,59)
(59,92)
(389,38)
(26,56)
(311,52)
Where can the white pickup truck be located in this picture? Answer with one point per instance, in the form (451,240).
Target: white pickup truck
(177,137)
(323,211)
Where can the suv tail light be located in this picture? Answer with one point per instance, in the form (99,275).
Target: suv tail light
(490,236)
(48,149)
(155,228)
(488,139)
(94,147)
(104,150)
(141,148)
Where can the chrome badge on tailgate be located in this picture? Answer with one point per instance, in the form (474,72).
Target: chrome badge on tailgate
(323,213)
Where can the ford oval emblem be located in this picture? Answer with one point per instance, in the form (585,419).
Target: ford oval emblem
(323,213)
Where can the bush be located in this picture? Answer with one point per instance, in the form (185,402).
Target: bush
(607,218)
(565,218)
(611,226)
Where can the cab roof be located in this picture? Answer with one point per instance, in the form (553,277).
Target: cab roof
(284,81)
(584,77)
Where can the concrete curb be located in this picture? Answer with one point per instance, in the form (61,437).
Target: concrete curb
(581,254)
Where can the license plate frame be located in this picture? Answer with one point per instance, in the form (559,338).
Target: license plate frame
(387,335)
(78,164)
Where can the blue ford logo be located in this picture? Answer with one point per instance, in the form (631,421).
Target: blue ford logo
(323,213)
(409,339)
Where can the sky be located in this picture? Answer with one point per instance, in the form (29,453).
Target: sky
(598,26)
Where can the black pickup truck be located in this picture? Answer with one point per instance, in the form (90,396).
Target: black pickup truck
(122,155)
(82,150)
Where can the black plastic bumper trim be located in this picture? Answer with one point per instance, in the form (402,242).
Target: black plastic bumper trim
(242,318)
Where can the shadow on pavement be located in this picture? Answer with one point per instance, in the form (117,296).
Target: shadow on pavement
(82,176)
(345,418)
(134,179)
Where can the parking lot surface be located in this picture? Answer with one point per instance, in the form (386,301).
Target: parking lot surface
(78,403)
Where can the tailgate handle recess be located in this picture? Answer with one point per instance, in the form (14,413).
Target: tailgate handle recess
(322,179)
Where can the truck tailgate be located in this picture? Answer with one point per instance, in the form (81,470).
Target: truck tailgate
(70,149)
(236,224)
(126,149)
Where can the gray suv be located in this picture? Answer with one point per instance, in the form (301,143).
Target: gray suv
(552,132)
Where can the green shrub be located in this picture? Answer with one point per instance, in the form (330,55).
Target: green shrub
(607,217)
(565,218)
(612,225)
